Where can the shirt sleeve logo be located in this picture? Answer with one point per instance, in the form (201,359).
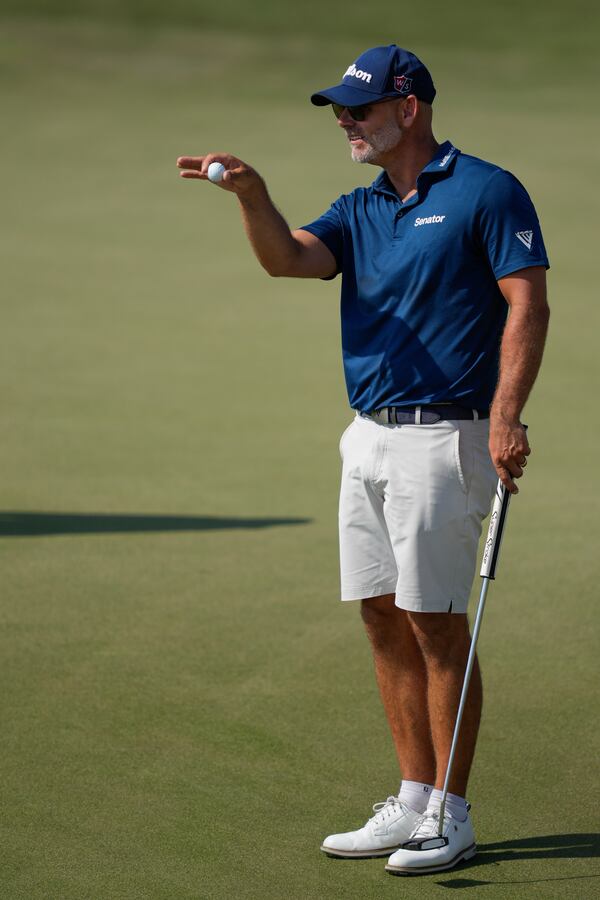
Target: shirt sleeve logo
(526,237)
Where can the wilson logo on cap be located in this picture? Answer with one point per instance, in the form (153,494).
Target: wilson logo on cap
(402,84)
(358,73)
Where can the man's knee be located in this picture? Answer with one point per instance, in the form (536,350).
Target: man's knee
(441,636)
(381,617)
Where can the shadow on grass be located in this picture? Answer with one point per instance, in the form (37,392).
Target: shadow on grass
(551,846)
(35,524)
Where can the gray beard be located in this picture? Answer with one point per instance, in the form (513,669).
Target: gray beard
(381,141)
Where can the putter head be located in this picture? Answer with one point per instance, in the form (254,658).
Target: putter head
(428,843)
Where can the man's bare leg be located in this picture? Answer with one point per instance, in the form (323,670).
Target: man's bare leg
(444,640)
(402,680)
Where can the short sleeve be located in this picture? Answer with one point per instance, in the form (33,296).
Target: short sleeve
(509,228)
(329,229)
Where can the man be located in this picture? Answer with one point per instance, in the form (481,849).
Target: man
(433,255)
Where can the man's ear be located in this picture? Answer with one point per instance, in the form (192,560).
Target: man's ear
(409,109)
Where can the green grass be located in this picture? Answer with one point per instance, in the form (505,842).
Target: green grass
(187,712)
(468,25)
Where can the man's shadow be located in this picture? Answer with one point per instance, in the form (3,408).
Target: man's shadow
(550,846)
(36,524)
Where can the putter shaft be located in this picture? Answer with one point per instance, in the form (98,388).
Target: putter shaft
(463,697)
(488,573)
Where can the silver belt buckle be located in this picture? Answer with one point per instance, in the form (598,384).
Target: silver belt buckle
(380,415)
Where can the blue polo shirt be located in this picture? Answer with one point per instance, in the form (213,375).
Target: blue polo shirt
(422,314)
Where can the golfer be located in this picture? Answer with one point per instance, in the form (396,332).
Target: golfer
(433,256)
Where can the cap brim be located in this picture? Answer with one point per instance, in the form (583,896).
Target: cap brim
(345,95)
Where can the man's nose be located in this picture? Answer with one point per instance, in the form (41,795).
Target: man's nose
(344,119)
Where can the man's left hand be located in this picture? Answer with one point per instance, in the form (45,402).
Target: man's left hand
(509,449)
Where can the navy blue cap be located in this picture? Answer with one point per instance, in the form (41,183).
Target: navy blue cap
(377,74)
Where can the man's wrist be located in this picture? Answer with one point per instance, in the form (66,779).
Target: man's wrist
(254,196)
(509,413)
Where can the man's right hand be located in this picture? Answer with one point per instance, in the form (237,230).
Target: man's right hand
(297,254)
(239,177)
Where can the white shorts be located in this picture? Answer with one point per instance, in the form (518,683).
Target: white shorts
(412,501)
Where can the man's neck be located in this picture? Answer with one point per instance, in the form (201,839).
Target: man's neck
(403,166)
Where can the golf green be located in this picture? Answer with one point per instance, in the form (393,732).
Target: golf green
(187,708)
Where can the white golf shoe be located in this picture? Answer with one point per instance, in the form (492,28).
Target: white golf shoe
(392,825)
(427,852)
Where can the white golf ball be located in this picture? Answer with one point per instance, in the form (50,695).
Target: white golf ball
(215,173)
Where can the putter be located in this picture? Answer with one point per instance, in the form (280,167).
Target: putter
(488,573)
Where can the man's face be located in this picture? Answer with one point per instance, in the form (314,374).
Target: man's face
(374,137)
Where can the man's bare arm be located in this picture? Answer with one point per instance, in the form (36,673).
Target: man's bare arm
(297,254)
(520,358)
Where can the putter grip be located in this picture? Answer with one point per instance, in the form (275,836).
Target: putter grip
(491,549)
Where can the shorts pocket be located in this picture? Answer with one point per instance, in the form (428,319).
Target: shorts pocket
(463,459)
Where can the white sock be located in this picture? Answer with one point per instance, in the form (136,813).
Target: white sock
(415,794)
(455,806)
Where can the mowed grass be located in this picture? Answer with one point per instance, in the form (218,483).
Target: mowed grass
(187,709)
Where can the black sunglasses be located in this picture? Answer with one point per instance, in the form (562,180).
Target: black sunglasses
(360,113)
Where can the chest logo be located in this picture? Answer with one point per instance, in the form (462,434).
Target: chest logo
(430,220)
(526,237)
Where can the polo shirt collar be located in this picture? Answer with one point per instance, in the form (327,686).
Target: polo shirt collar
(441,164)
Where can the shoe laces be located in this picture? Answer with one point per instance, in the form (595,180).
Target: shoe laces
(429,824)
(386,809)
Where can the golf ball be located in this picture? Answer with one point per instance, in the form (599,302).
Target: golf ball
(215,173)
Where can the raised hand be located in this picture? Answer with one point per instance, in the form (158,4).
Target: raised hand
(239,177)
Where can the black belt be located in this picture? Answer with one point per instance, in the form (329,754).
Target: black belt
(424,415)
